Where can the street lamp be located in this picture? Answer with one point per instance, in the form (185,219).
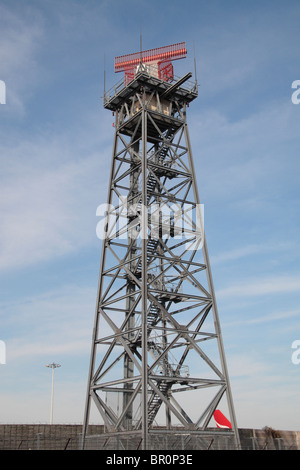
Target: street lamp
(52,366)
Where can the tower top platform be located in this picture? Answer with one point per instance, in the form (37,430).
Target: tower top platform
(153,71)
(117,95)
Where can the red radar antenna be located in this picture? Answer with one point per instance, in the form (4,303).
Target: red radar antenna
(157,62)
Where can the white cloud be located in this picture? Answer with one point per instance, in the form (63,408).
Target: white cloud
(248,157)
(20,38)
(271,317)
(57,323)
(41,215)
(248,250)
(263,286)
(51,185)
(34,405)
(245,366)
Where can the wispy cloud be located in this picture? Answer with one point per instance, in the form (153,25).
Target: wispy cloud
(20,37)
(245,157)
(263,286)
(42,213)
(272,317)
(51,185)
(238,253)
(57,323)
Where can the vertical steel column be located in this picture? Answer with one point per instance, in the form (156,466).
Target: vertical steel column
(144,232)
(132,242)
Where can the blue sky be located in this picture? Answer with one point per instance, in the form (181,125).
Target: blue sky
(55,150)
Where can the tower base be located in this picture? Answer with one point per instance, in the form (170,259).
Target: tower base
(161,439)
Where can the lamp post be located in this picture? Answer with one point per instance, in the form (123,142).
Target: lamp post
(52,366)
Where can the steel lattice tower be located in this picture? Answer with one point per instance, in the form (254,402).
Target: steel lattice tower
(157,362)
